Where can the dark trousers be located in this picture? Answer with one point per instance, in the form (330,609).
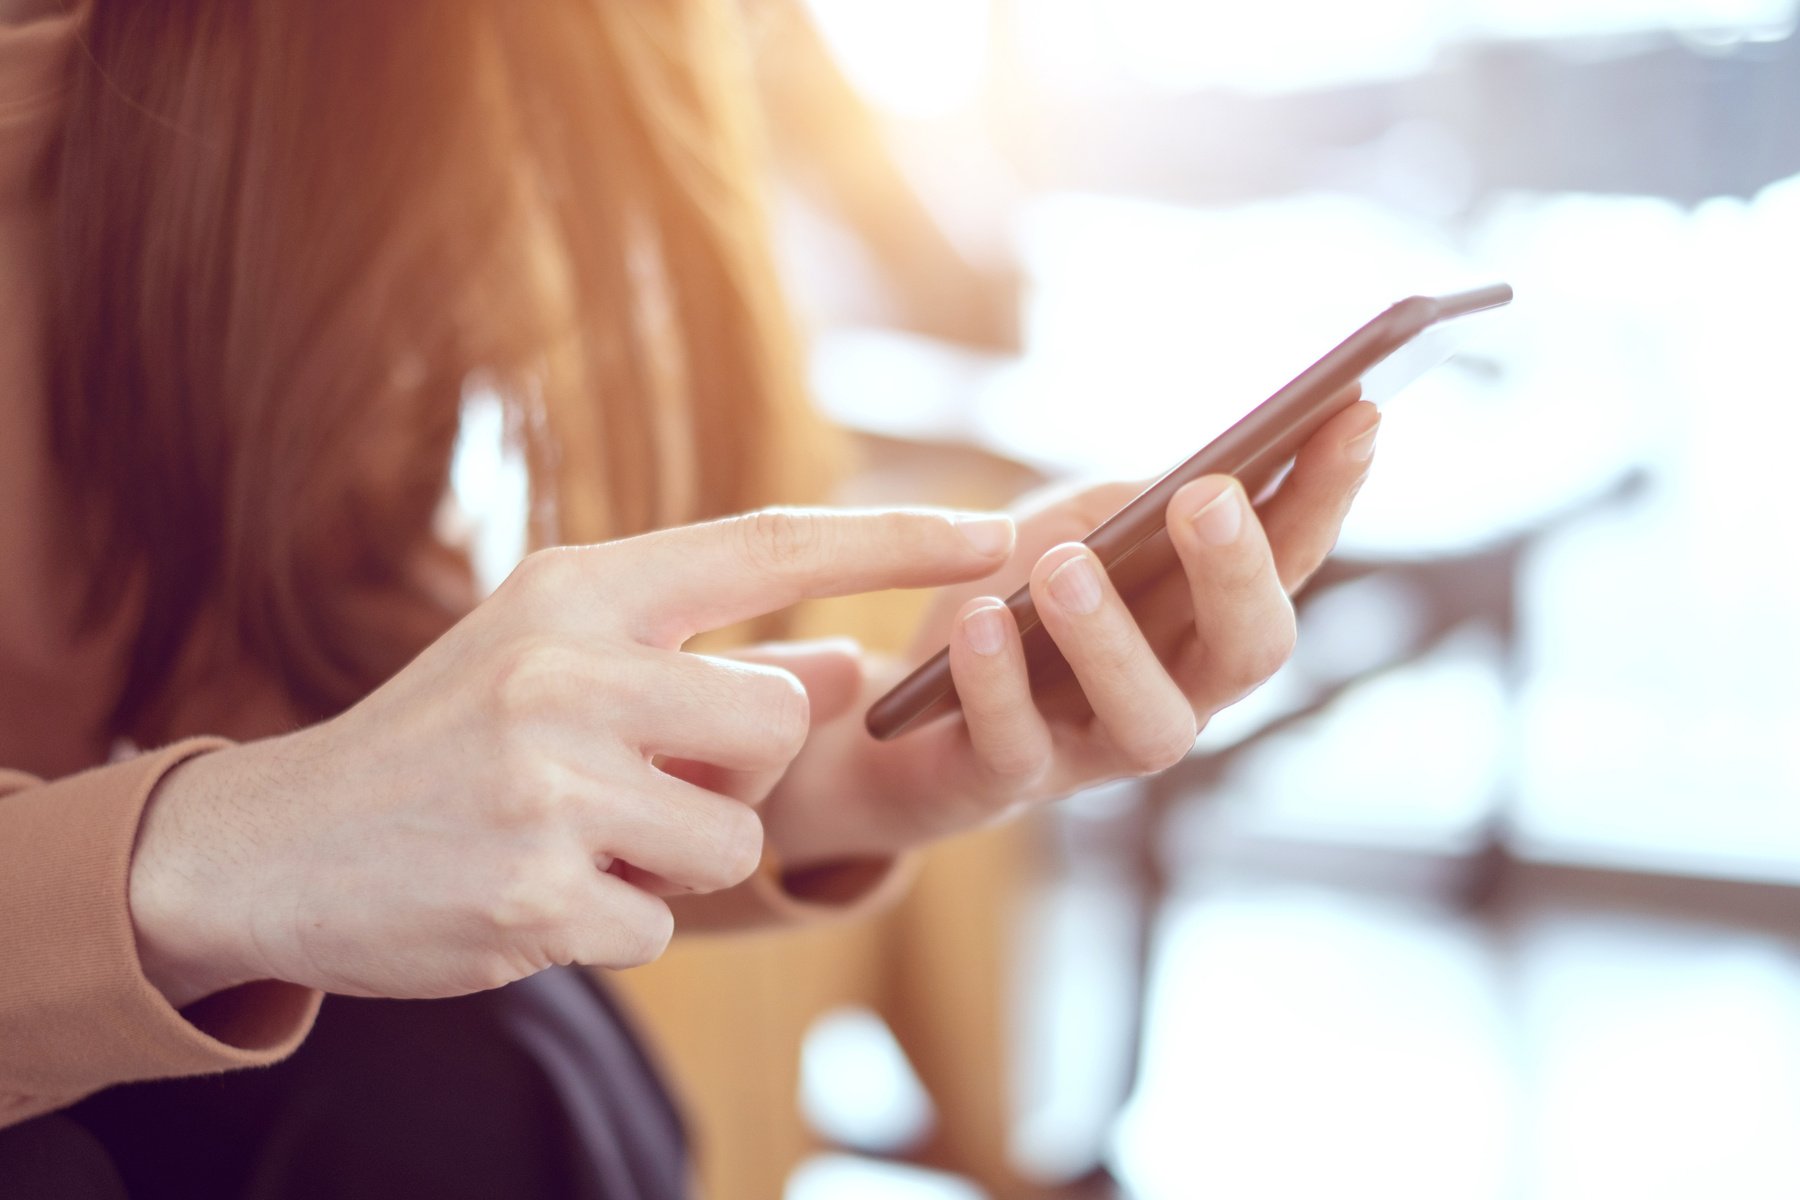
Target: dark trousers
(55,1158)
(537,1090)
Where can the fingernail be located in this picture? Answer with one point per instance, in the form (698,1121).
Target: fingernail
(1361,448)
(1221,518)
(991,535)
(985,629)
(1075,585)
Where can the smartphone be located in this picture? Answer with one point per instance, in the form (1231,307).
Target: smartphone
(1133,544)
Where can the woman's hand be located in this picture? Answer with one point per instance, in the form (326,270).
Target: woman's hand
(1144,684)
(497,807)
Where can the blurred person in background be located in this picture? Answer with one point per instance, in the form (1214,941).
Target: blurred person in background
(832,150)
(265,740)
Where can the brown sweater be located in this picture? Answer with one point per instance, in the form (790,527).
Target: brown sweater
(76,1013)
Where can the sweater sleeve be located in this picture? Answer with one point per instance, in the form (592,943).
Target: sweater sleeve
(76,1012)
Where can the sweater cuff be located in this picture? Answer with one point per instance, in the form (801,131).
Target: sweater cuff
(76,1008)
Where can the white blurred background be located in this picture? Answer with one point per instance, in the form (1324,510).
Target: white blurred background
(1495,891)
(1495,894)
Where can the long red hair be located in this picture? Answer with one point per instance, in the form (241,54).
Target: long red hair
(290,233)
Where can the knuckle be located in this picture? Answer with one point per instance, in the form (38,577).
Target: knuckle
(529,681)
(781,541)
(917,533)
(1015,761)
(1162,749)
(786,710)
(644,936)
(740,848)
(1113,654)
(1244,572)
(1267,651)
(520,806)
(1278,646)
(542,574)
(495,971)
(534,795)
(530,898)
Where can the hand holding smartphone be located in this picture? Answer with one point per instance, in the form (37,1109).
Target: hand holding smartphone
(1133,544)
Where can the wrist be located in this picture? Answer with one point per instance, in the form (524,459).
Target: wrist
(183,912)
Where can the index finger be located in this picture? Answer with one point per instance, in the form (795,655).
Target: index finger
(698,577)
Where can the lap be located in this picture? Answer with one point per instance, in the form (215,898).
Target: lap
(54,1158)
(537,1089)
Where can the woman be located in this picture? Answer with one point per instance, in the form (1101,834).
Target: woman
(253,257)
